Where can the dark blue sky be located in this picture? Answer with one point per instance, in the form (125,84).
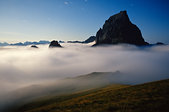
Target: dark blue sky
(33,20)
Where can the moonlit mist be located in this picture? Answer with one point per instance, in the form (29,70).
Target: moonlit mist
(43,70)
(23,66)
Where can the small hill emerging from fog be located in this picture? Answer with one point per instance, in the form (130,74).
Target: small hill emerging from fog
(59,87)
(119,29)
(54,44)
(149,97)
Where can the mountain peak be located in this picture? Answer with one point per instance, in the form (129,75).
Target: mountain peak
(119,29)
(120,18)
(123,12)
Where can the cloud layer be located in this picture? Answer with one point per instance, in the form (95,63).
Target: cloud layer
(23,66)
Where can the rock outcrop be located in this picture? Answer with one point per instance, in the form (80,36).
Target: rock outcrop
(34,46)
(159,43)
(90,39)
(54,44)
(119,29)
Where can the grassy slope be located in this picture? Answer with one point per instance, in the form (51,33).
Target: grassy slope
(149,97)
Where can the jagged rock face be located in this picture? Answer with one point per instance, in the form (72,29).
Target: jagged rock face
(119,29)
(54,44)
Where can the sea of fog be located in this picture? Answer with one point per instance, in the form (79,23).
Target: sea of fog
(21,66)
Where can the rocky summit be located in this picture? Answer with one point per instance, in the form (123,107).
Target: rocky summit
(54,44)
(119,29)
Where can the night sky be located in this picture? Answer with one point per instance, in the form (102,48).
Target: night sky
(34,20)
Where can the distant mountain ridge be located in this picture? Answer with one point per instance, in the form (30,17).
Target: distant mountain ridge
(90,39)
(25,43)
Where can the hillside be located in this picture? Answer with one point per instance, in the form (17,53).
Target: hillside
(68,85)
(60,87)
(151,97)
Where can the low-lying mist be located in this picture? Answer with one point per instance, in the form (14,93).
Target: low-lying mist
(22,66)
(25,66)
